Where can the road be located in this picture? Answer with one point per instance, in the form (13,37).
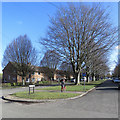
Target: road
(102,102)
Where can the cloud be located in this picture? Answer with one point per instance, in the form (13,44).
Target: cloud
(19,22)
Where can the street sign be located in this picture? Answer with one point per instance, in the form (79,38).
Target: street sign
(83,74)
(31,86)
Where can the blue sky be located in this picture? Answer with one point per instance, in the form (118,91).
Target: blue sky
(32,18)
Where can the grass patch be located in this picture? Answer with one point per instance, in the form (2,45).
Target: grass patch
(45,95)
(69,88)
(9,87)
(95,83)
(57,95)
(79,88)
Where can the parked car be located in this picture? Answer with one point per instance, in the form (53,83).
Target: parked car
(72,80)
(82,79)
(116,80)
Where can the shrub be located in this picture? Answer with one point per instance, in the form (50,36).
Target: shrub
(14,84)
(6,84)
(39,82)
(27,84)
(31,83)
(19,83)
(44,81)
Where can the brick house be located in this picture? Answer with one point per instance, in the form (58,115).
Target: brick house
(10,74)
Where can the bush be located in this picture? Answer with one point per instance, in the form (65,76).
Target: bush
(27,84)
(38,83)
(31,83)
(14,84)
(44,81)
(19,83)
(6,84)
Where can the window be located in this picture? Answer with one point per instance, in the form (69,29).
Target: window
(33,79)
(39,79)
(9,77)
(14,78)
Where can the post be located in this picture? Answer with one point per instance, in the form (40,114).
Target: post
(29,90)
(84,82)
(31,86)
(33,89)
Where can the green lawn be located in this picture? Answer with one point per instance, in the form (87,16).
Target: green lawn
(94,82)
(75,87)
(9,87)
(57,95)
(69,88)
(45,95)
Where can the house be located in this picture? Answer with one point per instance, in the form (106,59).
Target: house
(0,78)
(10,74)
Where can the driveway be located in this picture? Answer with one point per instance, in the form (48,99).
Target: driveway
(102,102)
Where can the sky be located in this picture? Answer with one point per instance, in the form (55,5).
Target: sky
(32,18)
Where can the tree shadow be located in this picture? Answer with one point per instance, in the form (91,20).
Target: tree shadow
(108,85)
(110,88)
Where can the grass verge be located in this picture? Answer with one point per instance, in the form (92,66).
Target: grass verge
(57,95)
(79,88)
(10,87)
(69,88)
(44,95)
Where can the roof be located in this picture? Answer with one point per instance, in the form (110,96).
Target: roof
(42,69)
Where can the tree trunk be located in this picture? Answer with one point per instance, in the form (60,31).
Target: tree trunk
(87,78)
(77,78)
(80,77)
(23,82)
(93,77)
(97,77)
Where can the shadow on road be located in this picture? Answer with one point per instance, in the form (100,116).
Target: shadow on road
(106,88)
(108,85)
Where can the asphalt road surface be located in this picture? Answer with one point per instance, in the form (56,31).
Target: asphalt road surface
(102,102)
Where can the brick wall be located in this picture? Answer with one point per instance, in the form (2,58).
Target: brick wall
(9,74)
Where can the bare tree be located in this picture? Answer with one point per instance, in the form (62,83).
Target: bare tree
(22,55)
(75,31)
(50,59)
(66,66)
(51,62)
(67,69)
(116,72)
(94,61)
